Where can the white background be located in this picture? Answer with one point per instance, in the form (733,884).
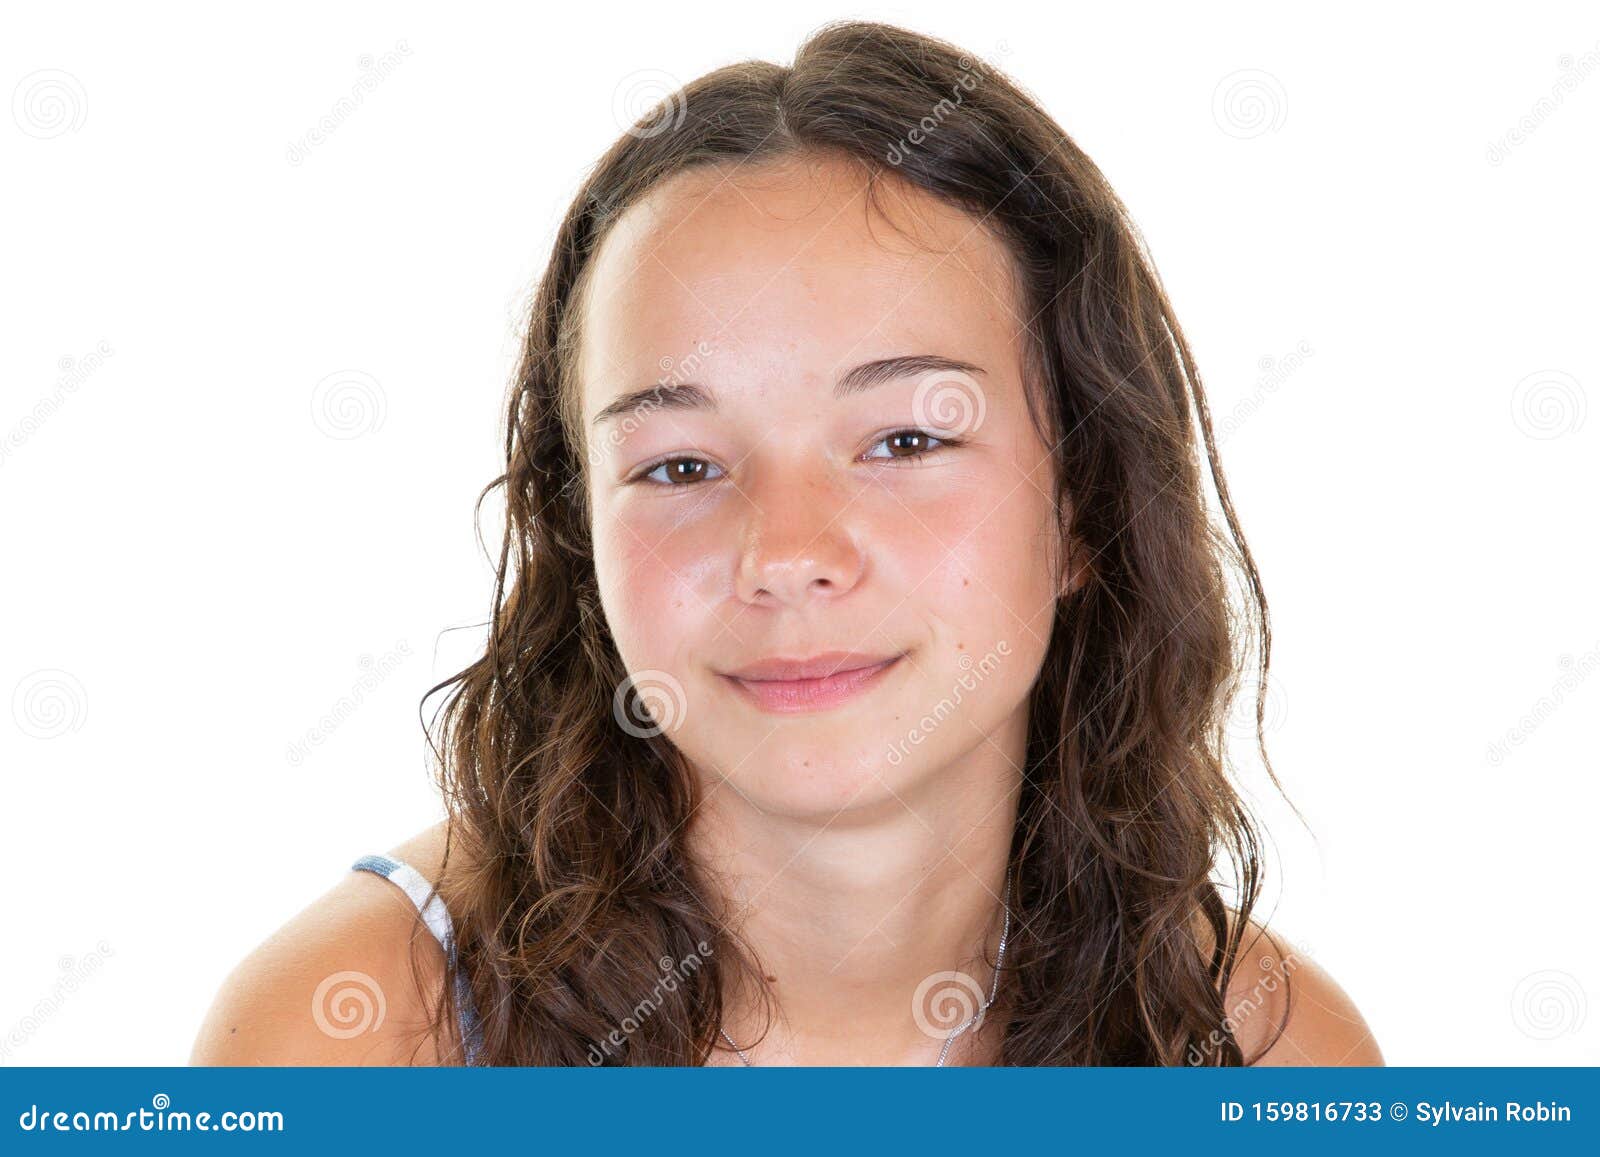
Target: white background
(197,567)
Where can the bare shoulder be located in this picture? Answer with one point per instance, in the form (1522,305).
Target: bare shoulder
(1274,983)
(353,979)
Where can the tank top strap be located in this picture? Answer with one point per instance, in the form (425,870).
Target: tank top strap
(430,906)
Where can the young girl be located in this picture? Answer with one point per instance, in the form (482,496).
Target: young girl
(861,651)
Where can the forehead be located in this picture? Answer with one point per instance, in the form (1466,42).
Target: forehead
(792,268)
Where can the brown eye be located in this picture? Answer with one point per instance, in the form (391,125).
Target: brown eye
(678,471)
(905,444)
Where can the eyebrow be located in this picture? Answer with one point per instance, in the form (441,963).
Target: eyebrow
(858,380)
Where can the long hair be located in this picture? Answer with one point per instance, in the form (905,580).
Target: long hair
(573,909)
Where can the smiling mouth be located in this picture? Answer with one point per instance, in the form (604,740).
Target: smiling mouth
(793,696)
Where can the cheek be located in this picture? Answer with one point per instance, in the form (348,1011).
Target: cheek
(657,579)
(981,566)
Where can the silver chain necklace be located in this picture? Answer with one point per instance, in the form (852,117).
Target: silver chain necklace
(994,987)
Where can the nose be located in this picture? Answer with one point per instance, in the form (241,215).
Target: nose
(798,542)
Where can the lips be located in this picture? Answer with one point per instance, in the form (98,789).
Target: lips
(818,666)
(811,684)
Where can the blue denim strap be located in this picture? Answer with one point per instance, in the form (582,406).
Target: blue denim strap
(431,907)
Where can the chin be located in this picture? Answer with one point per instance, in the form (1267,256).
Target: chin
(810,779)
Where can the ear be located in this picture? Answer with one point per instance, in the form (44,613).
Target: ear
(1075,566)
(1076,571)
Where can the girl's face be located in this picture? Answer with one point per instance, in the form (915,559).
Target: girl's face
(750,507)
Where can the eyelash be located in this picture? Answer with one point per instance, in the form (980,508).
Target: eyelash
(945,443)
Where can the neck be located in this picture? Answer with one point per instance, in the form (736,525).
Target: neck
(850,918)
